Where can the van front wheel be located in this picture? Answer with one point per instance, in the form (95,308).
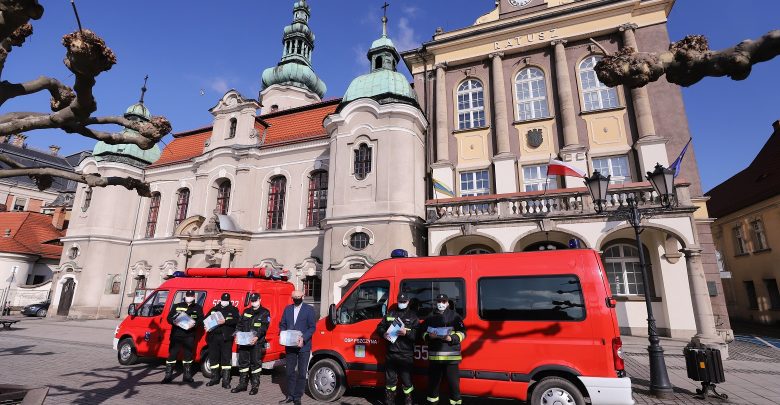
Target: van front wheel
(125,352)
(327,382)
(556,390)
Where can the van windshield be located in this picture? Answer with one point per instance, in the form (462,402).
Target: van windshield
(154,305)
(368,301)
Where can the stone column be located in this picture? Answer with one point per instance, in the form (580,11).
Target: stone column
(702,306)
(565,97)
(651,148)
(443,170)
(504,161)
(442,129)
(572,151)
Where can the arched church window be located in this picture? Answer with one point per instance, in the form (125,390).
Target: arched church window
(318,197)
(223,197)
(595,94)
(471,104)
(276,196)
(531,94)
(154,211)
(233,127)
(362,161)
(182,205)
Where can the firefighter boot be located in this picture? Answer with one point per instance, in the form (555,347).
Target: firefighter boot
(242,383)
(215,376)
(389,397)
(168,373)
(226,379)
(188,373)
(255,384)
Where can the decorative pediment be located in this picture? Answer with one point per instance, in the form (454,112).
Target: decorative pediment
(233,101)
(309,267)
(355,262)
(269,263)
(68,267)
(190,226)
(140,268)
(169,267)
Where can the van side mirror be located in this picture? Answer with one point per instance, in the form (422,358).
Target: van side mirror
(332,314)
(131,310)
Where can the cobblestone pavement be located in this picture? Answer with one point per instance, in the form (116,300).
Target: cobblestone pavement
(76,361)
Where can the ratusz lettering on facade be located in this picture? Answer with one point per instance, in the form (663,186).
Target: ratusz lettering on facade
(525,40)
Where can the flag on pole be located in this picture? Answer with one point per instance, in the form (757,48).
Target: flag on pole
(559,168)
(678,162)
(439,187)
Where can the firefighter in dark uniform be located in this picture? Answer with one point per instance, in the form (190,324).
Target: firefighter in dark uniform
(255,319)
(444,351)
(400,354)
(183,340)
(220,341)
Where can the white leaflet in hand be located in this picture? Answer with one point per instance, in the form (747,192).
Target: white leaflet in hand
(439,331)
(184,321)
(392,331)
(212,321)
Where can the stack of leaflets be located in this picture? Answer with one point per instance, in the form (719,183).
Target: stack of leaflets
(245,338)
(395,327)
(212,321)
(439,331)
(289,337)
(182,320)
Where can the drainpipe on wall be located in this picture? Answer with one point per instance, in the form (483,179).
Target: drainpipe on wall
(129,256)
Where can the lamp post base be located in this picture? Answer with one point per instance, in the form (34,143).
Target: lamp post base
(660,386)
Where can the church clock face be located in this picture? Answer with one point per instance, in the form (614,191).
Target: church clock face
(519,3)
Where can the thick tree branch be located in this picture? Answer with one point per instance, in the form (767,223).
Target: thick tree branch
(61,95)
(43,177)
(687,62)
(10,162)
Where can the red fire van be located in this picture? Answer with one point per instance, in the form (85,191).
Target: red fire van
(538,325)
(146,333)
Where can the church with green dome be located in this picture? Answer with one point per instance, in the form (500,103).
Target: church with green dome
(128,153)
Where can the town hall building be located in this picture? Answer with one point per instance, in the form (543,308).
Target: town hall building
(453,163)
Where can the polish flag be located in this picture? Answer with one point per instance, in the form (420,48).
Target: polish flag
(559,168)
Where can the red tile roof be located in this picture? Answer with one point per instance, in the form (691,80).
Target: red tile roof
(28,233)
(288,126)
(758,182)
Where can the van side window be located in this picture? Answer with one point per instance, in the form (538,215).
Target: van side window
(368,301)
(545,298)
(155,305)
(200,297)
(423,292)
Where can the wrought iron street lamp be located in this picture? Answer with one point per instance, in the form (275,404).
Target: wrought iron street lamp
(662,180)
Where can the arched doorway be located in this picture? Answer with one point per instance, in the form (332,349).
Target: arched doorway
(470,245)
(66,296)
(548,240)
(545,245)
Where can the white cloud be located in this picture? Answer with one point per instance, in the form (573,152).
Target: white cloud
(219,85)
(360,58)
(410,11)
(406,38)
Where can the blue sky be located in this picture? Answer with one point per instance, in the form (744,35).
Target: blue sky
(195,50)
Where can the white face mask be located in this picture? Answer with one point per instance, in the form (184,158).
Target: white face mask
(256,304)
(441,306)
(403,305)
(224,303)
(189,300)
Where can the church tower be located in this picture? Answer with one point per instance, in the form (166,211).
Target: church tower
(293,83)
(376,199)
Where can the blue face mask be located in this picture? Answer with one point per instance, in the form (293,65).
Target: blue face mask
(441,306)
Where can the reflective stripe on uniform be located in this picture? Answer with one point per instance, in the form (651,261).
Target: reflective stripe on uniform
(259,370)
(248,315)
(187,362)
(243,370)
(445,358)
(425,335)
(461,335)
(170,362)
(226,367)
(433,400)
(257,325)
(213,367)
(228,317)
(390,318)
(409,390)
(389,388)
(454,402)
(181,309)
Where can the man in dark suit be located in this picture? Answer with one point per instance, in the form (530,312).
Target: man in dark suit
(300,317)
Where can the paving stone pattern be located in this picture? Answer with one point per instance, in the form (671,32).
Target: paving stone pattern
(76,361)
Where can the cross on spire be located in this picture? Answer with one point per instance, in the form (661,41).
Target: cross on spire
(384,19)
(143,89)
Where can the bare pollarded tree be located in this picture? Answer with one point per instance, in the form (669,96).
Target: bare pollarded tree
(87,55)
(686,62)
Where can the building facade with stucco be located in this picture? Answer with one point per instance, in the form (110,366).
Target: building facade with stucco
(455,164)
